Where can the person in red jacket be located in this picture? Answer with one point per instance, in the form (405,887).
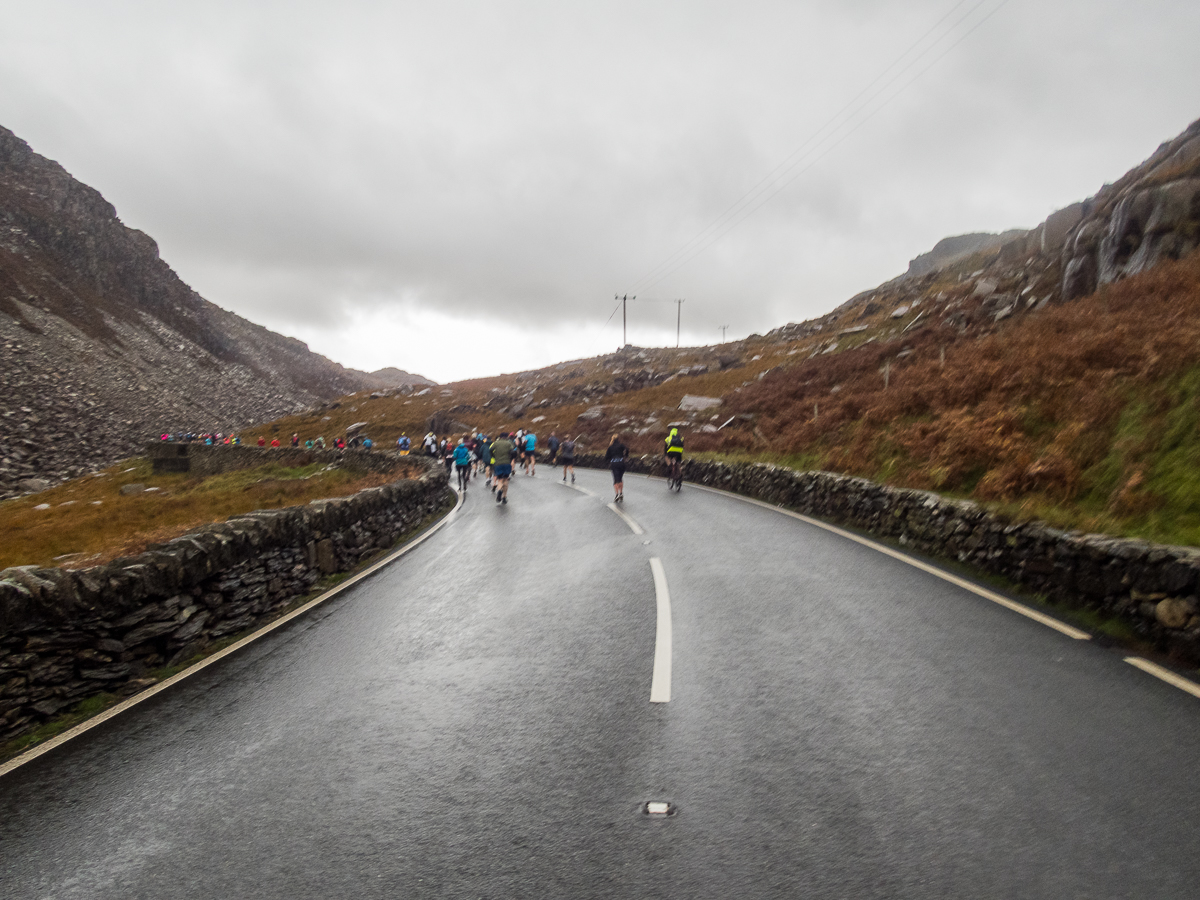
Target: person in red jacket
(262,441)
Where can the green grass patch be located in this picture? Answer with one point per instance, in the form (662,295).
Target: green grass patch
(80,712)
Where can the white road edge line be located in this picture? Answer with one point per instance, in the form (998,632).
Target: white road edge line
(114,711)
(660,684)
(633,526)
(1165,674)
(1048,621)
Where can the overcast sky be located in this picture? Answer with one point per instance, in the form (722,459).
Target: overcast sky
(460,188)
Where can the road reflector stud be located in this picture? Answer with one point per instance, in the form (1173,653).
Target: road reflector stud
(658,808)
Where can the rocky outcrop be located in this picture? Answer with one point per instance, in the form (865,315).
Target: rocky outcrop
(952,249)
(1152,213)
(967,284)
(103,346)
(1151,586)
(68,634)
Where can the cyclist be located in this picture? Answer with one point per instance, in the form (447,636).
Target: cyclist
(673,454)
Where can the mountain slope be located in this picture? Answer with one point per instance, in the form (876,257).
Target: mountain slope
(102,343)
(985,375)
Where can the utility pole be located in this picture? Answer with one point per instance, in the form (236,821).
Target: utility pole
(678,319)
(624,320)
(722,327)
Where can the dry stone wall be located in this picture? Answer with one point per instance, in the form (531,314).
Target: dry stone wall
(1151,586)
(66,635)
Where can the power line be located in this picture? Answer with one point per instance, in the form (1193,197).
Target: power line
(790,161)
(770,185)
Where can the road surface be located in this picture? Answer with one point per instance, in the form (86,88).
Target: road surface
(476,720)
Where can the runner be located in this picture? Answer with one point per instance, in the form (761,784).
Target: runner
(568,458)
(404,444)
(462,463)
(483,453)
(530,454)
(502,456)
(615,456)
(552,445)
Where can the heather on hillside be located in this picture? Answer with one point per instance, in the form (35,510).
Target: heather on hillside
(1084,413)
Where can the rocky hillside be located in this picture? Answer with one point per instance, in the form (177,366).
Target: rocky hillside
(982,371)
(101,343)
(969,282)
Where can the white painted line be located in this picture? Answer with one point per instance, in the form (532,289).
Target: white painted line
(634,526)
(1048,621)
(1165,674)
(660,683)
(114,711)
(577,488)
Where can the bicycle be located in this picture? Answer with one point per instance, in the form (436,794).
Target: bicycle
(674,472)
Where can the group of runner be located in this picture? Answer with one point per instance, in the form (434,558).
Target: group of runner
(497,458)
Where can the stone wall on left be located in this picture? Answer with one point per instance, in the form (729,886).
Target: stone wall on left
(69,634)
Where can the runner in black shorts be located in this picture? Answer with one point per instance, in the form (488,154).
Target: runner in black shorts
(502,453)
(615,455)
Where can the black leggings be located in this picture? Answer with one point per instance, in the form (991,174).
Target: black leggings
(618,470)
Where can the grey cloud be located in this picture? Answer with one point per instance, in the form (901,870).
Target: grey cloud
(302,160)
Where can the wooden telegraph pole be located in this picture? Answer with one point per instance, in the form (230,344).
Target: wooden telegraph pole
(624,319)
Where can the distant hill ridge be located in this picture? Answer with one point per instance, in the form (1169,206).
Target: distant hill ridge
(393,377)
(102,342)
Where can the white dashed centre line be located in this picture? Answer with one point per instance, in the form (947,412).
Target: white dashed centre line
(660,684)
(577,488)
(634,526)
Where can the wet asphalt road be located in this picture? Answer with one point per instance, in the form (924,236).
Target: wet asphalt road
(474,721)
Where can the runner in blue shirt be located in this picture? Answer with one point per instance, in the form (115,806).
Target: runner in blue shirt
(530,454)
(462,463)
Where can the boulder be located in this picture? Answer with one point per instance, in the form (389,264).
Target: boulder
(694,403)
(1173,612)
